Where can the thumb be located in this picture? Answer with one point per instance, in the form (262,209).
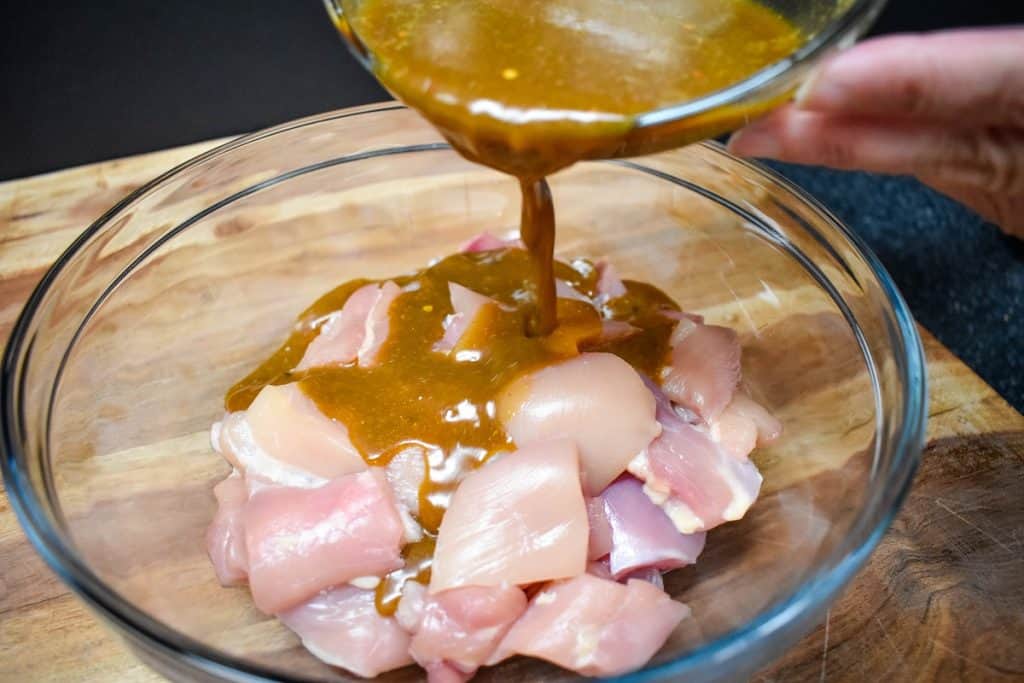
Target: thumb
(983,168)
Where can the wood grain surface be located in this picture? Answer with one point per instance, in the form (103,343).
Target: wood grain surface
(942,598)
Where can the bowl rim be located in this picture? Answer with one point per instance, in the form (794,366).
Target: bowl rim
(846,27)
(812,595)
(851,23)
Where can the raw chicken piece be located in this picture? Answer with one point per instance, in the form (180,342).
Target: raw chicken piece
(695,480)
(650,575)
(609,284)
(404,474)
(225,538)
(769,428)
(343,332)
(356,332)
(377,324)
(642,535)
(594,626)
(563,290)
(485,241)
(597,400)
(735,433)
(445,673)
(290,428)
(600,543)
(673,314)
(342,627)
(235,441)
(301,541)
(519,519)
(614,330)
(460,628)
(465,305)
(704,368)
(600,569)
(410,608)
(743,425)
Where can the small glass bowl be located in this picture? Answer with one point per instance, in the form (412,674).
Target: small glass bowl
(826,26)
(118,364)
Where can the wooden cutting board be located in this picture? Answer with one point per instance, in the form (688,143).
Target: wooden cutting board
(942,598)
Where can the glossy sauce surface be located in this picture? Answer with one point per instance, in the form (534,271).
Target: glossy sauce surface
(532,86)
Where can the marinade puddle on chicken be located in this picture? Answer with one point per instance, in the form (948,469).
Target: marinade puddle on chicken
(412,464)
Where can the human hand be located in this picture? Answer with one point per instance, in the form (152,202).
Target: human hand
(945,107)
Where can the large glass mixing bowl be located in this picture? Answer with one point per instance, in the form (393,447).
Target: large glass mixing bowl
(119,362)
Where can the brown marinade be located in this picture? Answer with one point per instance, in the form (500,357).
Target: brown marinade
(531,86)
(444,402)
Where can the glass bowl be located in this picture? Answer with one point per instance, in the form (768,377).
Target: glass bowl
(119,362)
(826,26)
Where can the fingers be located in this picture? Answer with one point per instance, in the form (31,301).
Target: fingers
(945,107)
(987,158)
(973,77)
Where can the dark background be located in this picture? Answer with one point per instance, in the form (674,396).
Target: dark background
(83,82)
(96,80)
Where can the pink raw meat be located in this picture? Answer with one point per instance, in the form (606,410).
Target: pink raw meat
(614,330)
(405,473)
(410,608)
(465,305)
(704,368)
(609,284)
(642,535)
(594,626)
(233,438)
(291,430)
(743,425)
(519,519)
(650,575)
(563,290)
(734,433)
(460,628)
(301,541)
(600,543)
(442,672)
(342,627)
(672,314)
(600,569)
(377,324)
(343,331)
(597,400)
(356,332)
(485,241)
(225,538)
(697,482)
